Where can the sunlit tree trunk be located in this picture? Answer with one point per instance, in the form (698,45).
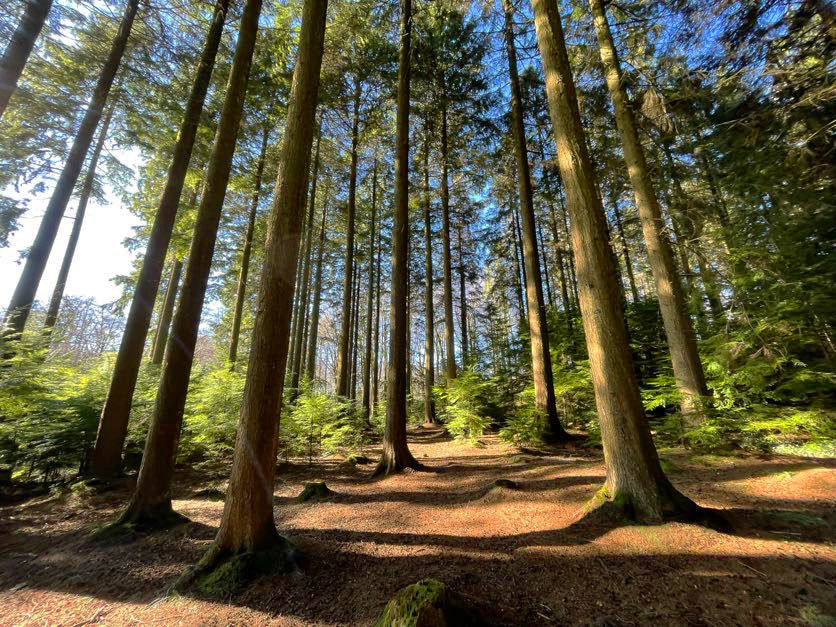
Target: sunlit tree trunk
(355,333)
(20,47)
(429,313)
(376,379)
(367,362)
(546,275)
(449,337)
(317,295)
(27,286)
(396,455)
(625,249)
(463,299)
(113,423)
(682,343)
(167,313)
(241,292)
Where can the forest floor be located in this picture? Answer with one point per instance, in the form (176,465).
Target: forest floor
(516,552)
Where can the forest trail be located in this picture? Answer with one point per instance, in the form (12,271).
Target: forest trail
(512,550)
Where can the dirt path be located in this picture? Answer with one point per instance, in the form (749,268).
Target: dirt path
(515,551)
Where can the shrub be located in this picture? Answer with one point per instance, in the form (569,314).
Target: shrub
(462,404)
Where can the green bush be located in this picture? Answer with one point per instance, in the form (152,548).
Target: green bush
(527,423)
(213,408)
(463,405)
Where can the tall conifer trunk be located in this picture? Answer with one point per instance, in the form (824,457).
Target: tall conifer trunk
(463,300)
(449,326)
(161,336)
(310,360)
(241,291)
(20,47)
(635,483)
(376,377)
(541,362)
(151,502)
(367,362)
(682,343)
(33,269)
(625,249)
(429,313)
(113,423)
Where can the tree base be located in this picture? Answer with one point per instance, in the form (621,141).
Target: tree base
(429,602)
(222,573)
(390,465)
(140,521)
(315,491)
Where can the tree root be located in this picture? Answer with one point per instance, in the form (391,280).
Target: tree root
(139,521)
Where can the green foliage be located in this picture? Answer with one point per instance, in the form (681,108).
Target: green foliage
(527,423)
(463,404)
(212,411)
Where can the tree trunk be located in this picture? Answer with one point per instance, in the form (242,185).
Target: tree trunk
(33,269)
(625,249)
(20,47)
(113,423)
(355,332)
(344,354)
(518,265)
(69,253)
(558,252)
(367,363)
(429,327)
(151,502)
(463,300)
(687,369)
(541,361)
(161,336)
(518,242)
(635,483)
(306,278)
(241,292)
(546,277)
(377,325)
(296,311)
(317,294)
(449,332)
(396,455)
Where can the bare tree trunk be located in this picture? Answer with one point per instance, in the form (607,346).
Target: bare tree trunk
(518,264)
(20,47)
(241,292)
(625,249)
(314,325)
(161,336)
(449,329)
(518,242)
(33,269)
(296,309)
(546,277)
(69,253)
(344,354)
(113,423)
(377,324)
(355,332)
(247,524)
(558,251)
(687,369)
(367,363)
(635,483)
(541,362)
(429,313)
(463,300)
(396,455)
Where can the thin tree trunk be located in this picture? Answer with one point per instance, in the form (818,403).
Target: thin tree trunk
(625,250)
(541,362)
(113,423)
(241,292)
(687,369)
(344,354)
(314,325)
(518,242)
(377,323)
(355,332)
(27,286)
(396,455)
(161,336)
(20,47)
(429,327)
(367,363)
(546,277)
(295,320)
(558,251)
(635,483)
(517,265)
(306,277)
(463,301)
(151,502)
(449,332)
(69,253)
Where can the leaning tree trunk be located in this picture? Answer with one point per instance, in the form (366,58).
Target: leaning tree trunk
(344,353)
(69,253)
(687,369)
(247,524)
(161,336)
(429,344)
(27,286)
(541,361)
(449,333)
(151,502)
(113,423)
(635,483)
(367,362)
(20,47)
(241,292)
(396,455)
(310,360)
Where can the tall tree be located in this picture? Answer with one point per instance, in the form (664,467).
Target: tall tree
(33,269)
(167,313)
(310,360)
(429,310)
(367,362)
(687,368)
(20,47)
(635,484)
(113,423)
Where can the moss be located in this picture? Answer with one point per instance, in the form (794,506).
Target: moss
(356,458)
(131,523)
(428,603)
(314,491)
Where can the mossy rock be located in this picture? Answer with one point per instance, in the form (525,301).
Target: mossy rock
(429,603)
(355,459)
(316,490)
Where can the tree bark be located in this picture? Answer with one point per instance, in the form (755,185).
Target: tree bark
(113,423)
(541,362)
(546,277)
(33,269)
(687,369)
(376,379)
(69,253)
(635,482)
(20,47)
(151,502)
(241,291)
(161,336)
(449,316)
(429,314)
(367,362)
(344,355)
(625,250)
(355,333)
(463,300)
(314,325)
(396,455)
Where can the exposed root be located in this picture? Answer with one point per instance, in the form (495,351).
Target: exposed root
(222,573)
(138,520)
(392,464)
